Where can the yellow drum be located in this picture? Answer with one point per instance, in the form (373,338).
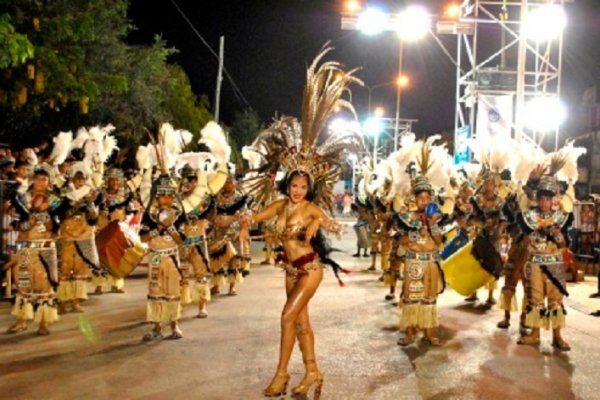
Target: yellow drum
(463,272)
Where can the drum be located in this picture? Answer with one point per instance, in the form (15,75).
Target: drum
(463,272)
(362,234)
(117,253)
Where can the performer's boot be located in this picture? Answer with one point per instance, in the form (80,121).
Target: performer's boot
(392,294)
(77,307)
(154,334)
(491,300)
(43,328)
(373,261)
(409,337)
(357,254)
(558,341)
(202,313)
(505,323)
(522,323)
(533,338)
(472,298)
(18,326)
(232,291)
(114,289)
(431,338)
(62,307)
(176,332)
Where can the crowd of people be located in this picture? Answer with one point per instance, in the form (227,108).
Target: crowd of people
(73,216)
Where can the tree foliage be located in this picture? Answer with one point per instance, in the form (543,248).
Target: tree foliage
(15,48)
(84,73)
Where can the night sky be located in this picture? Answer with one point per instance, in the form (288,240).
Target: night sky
(269,43)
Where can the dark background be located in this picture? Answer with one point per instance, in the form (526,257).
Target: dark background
(269,43)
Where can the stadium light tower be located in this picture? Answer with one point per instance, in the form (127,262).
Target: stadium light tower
(520,65)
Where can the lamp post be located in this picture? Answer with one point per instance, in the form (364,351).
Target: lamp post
(411,24)
(370,90)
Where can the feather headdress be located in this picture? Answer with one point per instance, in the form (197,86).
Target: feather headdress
(299,146)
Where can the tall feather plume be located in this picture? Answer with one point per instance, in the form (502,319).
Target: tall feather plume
(213,136)
(80,139)
(325,85)
(62,147)
(109,146)
(556,161)
(569,172)
(525,158)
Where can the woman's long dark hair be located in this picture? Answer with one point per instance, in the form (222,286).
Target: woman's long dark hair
(322,246)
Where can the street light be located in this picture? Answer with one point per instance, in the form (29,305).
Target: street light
(370,90)
(545,23)
(413,23)
(373,126)
(544,114)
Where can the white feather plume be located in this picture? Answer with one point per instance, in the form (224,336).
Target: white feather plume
(80,139)
(254,158)
(202,161)
(383,174)
(62,147)
(569,172)
(174,140)
(212,135)
(109,146)
(144,158)
(526,156)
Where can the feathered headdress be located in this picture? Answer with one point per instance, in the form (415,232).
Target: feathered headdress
(298,146)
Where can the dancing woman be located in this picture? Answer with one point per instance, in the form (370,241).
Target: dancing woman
(299,220)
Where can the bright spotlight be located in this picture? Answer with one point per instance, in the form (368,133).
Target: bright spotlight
(353,6)
(341,126)
(372,21)
(373,126)
(546,22)
(544,114)
(413,23)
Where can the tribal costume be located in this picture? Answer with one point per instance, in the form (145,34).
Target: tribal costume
(423,276)
(164,270)
(229,257)
(544,269)
(35,265)
(116,204)
(78,248)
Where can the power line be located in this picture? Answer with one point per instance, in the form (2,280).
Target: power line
(236,90)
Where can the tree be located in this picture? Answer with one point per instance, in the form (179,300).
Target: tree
(15,48)
(84,73)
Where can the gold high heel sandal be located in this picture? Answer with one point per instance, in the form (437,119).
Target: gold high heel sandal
(276,389)
(301,391)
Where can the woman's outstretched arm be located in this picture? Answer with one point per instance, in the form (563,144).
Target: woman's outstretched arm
(269,212)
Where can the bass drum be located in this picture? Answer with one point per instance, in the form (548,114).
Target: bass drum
(117,253)
(362,234)
(463,272)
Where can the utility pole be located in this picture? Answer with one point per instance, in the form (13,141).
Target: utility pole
(219,77)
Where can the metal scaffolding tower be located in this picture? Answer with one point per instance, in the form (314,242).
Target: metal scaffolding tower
(496,57)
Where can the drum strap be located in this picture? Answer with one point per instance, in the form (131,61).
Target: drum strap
(88,253)
(554,274)
(48,270)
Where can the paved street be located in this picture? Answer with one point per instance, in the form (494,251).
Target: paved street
(233,353)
